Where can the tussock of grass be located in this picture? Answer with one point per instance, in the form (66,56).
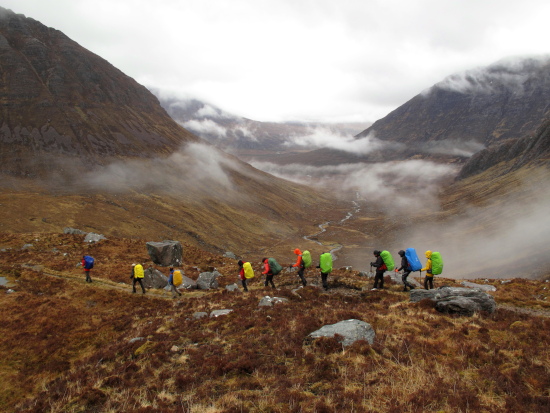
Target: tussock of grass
(66,346)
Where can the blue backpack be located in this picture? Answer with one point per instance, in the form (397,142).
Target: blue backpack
(412,258)
(88,262)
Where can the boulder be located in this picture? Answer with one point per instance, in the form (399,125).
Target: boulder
(154,278)
(188,283)
(457,299)
(350,330)
(480,287)
(73,231)
(271,301)
(166,253)
(229,254)
(217,313)
(208,280)
(93,237)
(199,314)
(232,287)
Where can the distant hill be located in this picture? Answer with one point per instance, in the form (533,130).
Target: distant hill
(245,137)
(480,107)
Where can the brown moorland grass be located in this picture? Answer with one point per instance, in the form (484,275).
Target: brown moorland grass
(68,346)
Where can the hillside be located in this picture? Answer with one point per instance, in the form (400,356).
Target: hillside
(84,145)
(469,110)
(69,346)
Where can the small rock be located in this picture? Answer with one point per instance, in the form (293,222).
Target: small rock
(136,339)
(217,313)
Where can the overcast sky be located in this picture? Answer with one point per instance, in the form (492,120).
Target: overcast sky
(310,60)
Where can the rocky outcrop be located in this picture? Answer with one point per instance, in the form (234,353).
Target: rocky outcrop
(456,300)
(208,280)
(268,301)
(349,330)
(165,253)
(153,278)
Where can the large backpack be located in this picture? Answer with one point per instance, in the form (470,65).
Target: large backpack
(437,263)
(177,278)
(325,262)
(388,260)
(412,258)
(248,271)
(88,262)
(274,266)
(306,257)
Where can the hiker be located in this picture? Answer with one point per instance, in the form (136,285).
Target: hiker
(268,273)
(137,275)
(242,275)
(87,264)
(325,265)
(300,265)
(380,269)
(429,279)
(171,283)
(406,271)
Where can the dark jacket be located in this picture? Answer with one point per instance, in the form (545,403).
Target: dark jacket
(404,262)
(379,264)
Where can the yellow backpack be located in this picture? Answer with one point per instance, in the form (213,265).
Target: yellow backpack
(177,279)
(248,271)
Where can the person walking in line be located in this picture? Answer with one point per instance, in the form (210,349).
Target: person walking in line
(380,267)
(268,272)
(242,275)
(429,279)
(300,265)
(406,268)
(87,264)
(325,265)
(137,276)
(171,283)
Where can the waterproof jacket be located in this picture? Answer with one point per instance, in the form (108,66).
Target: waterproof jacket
(138,271)
(404,262)
(241,273)
(299,261)
(428,267)
(379,264)
(267,269)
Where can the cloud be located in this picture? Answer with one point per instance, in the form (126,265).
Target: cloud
(399,187)
(454,147)
(205,126)
(196,169)
(324,137)
(503,239)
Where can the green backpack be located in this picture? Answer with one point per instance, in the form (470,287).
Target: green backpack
(437,263)
(306,257)
(388,260)
(274,266)
(325,262)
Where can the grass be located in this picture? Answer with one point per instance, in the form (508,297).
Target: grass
(66,346)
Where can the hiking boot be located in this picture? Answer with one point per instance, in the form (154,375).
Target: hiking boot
(405,289)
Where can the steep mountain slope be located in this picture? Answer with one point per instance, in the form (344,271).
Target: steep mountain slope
(83,145)
(60,99)
(483,106)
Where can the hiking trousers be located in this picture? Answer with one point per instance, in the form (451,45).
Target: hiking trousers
(406,283)
(301,275)
(324,279)
(140,281)
(88,278)
(243,282)
(269,280)
(174,290)
(429,281)
(379,279)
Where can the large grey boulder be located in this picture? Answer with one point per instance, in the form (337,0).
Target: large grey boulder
(208,280)
(73,231)
(351,331)
(153,278)
(165,253)
(480,287)
(188,283)
(456,300)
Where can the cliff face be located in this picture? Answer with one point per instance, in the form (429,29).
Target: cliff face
(59,100)
(506,100)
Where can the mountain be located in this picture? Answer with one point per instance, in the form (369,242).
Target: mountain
(84,145)
(471,110)
(244,137)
